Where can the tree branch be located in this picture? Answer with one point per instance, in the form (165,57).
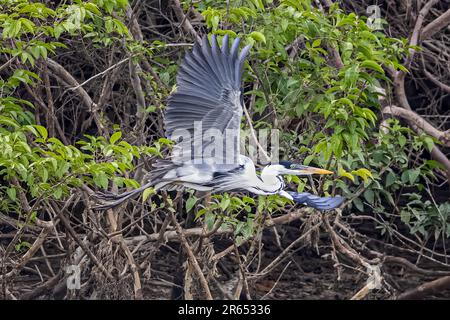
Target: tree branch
(436,25)
(87,100)
(425,289)
(421,123)
(184,21)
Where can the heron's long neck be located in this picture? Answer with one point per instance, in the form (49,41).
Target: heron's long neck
(266,183)
(269,177)
(269,182)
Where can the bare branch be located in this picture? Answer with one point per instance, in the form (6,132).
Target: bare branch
(421,123)
(183,19)
(436,25)
(426,289)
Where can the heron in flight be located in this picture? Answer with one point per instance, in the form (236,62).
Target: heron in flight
(203,117)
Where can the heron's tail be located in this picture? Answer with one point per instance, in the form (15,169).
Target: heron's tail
(155,178)
(113,200)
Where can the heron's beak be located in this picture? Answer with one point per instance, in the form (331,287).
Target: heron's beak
(305,170)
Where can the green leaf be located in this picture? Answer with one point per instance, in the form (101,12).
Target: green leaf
(413,175)
(402,140)
(210,218)
(410,176)
(343,173)
(58,193)
(29,25)
(21,245)
(429,143)
(308,159)
(190,203)
(248,200)
(370,64)
(92,7)
(147,192)
(390,179)
(42,131)
(316,43)
(363,173)
(11,193)
(200,213)
(58,30)
(44,175)
(405,216)
(15,29)
(224,203)
(358,204)
(101,180)
(258,36)
(284,24)
(215,22)
(369,195)
(115,136)
(33,216)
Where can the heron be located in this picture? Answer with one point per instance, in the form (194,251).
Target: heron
(209,98)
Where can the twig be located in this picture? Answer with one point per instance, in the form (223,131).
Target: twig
(192,232)
(39,290)
(134,268)
(87,100)
(277,281)
(100,74)
(74,236)
(192,258)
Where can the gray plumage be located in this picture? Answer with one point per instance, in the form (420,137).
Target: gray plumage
(208,91)
(203,117)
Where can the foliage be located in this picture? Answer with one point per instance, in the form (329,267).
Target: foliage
(326,109)
(343,101)
(30,160)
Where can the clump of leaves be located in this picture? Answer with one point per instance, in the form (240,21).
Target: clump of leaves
(335,101)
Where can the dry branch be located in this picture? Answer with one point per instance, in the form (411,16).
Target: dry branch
(65,76)
(183,19)
(436,25)
(199,232)
(39,290)
(421,123)
(442,86)
(426,289)
(85,248)
(399,77)
(192,258)
(133,266)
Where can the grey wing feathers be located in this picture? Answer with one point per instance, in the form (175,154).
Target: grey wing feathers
(208,88)
(320,203)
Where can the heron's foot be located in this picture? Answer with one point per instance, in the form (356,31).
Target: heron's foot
(319,203)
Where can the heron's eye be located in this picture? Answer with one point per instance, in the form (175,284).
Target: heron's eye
(292,166)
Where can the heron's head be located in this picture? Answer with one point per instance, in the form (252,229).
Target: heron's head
(286,167)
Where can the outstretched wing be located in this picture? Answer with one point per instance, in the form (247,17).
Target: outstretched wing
(205,111)
(311,200)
